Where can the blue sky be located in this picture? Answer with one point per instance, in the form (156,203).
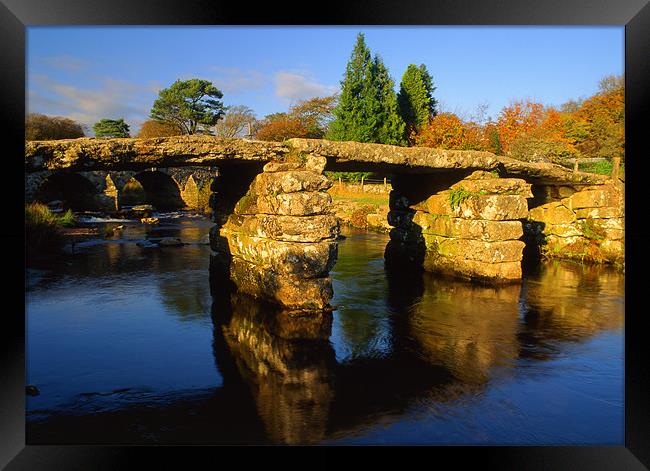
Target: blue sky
(89,73)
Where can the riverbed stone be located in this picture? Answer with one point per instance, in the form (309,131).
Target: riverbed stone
(170,242)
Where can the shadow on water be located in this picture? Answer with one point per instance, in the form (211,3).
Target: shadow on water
(299,378)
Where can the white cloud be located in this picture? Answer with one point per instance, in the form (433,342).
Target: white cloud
(235,79)
(69,63)
(109,98)
(298,86)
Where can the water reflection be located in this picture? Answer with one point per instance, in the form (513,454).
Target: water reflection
(287,362)
(565,301)
(402,350)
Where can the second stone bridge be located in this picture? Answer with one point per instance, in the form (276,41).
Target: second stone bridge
(463,213)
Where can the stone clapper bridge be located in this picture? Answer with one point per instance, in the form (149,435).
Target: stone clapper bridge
(464,213)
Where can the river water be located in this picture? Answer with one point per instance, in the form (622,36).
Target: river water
(127,344)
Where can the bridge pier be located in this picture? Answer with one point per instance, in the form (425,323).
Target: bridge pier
(460,224)
(588,225)
(276,239)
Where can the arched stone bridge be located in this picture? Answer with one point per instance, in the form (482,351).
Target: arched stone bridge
(109,190)
(463,213)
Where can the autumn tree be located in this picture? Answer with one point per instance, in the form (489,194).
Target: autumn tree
(448,131)
(315,114)
(238,121)
(520,117)
(307,118)
(415,99)
(40,127)
(367,109)
(193,105)
(279,127)
(603,119)
(153,128)
(111,128)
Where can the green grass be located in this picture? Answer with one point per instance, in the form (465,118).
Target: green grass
(43,229)
(603,167)
(457,196)
(39,214)
(369,198)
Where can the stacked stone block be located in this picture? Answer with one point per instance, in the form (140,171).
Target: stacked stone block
(588,225)
(279,242)
(471,229)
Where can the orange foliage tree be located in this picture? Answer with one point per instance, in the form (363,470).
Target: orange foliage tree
(280,126)
(153,128)
(307,118)
(448,131)
(520,117)
(603,120)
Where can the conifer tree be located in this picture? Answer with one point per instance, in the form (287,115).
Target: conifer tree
(416,103)
(392,127)
(367,110)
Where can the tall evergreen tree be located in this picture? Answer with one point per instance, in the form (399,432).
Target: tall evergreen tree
(392,127)
(367,109)
(415,98)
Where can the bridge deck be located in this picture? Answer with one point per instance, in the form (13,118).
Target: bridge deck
(86,154)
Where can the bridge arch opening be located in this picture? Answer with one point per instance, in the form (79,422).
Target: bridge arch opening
(73,190)
(155,188)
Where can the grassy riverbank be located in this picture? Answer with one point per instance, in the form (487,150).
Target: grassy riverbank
(361,209)
(44,230)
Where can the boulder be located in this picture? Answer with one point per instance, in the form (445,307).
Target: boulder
(170,242)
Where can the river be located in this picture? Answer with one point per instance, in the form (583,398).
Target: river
(127,344)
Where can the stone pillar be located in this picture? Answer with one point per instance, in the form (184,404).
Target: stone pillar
(278,240)
(587,226)
(471,229)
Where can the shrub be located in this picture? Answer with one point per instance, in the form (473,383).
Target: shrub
(42,229)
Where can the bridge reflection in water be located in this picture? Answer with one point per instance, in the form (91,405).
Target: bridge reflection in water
(444,341)
(399,347)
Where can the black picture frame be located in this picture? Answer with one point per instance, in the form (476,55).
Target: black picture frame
(16,15)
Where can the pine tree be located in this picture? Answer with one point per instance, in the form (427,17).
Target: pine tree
(392,127)
(416,103)
(367,109)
